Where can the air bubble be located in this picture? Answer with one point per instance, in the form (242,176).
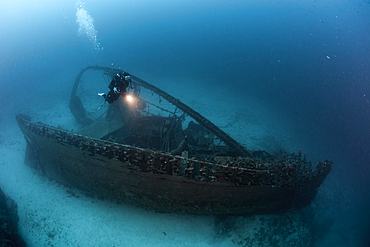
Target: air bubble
(86,26)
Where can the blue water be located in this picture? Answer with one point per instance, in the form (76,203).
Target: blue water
(306,59)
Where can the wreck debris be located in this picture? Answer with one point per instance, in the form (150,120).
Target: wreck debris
(9,235)
(225,171)
(159,162)
(80,115)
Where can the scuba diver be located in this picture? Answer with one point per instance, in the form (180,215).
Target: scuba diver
(117,86)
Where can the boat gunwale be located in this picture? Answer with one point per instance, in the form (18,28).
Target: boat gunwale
(219,171)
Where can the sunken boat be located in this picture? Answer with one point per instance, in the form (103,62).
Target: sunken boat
(158,153)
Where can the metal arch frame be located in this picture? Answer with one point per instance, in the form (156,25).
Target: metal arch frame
(79,111)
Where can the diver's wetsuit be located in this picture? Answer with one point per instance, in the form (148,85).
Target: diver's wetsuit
(118,86)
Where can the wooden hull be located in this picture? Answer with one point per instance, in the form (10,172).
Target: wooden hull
(156,180)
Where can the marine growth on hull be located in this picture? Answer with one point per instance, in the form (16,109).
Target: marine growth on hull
(147,117)
(138,144)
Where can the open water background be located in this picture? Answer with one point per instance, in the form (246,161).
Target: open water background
(308,60)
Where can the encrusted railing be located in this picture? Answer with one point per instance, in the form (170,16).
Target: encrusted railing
(239,171)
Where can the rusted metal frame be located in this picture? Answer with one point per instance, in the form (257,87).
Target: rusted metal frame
(198,117)
(160,108)
(109,71)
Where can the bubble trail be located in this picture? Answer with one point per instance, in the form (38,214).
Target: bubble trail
(86,26)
